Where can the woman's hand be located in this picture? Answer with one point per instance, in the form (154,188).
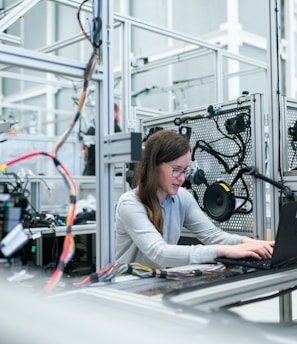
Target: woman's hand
(248,248)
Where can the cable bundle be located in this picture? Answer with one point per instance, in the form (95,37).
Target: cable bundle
(69,246)
(145,272)
(104,275)
(113,270)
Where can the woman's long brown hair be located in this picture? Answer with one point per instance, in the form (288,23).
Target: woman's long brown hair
(162,146)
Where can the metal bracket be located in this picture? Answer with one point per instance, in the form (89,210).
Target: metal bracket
(122,147)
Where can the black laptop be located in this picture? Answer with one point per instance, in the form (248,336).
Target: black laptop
(285,249)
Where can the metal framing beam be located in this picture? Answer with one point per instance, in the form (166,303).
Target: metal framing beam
(274,105)
(16,13)
(104,125)
(134,22)
(39,61)
(215,297)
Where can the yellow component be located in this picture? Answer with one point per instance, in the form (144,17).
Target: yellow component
(3,167)
(268,234)
(225,187)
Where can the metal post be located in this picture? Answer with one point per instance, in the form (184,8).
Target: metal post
(274,88)
(104,126)
(285,308)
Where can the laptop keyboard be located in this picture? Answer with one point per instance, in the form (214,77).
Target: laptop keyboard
(249,262)
(263,263)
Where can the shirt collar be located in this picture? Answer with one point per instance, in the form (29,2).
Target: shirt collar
(169,199)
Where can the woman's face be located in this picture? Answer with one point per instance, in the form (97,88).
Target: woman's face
(171,176)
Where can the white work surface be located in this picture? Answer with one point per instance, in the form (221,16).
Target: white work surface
(128,310)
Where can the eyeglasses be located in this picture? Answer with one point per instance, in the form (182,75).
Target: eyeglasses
(177,171)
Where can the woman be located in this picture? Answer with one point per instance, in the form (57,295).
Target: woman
(149,218)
